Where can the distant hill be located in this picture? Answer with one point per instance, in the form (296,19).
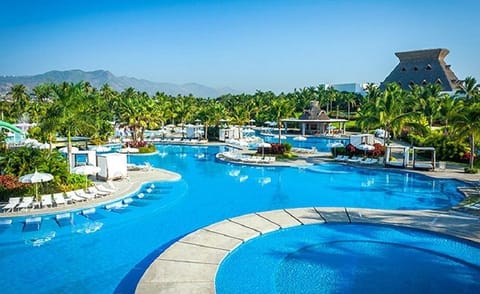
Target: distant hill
(100,77)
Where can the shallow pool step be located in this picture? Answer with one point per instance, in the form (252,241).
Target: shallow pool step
(64,219)
(32,224)
(91,214)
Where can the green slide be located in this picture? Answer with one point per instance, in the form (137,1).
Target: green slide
(11,128)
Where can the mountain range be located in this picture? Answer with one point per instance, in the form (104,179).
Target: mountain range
(100,77)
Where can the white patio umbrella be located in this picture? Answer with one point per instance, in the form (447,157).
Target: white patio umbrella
(334,146)
(264,145)
(86,170)
(129,150)
(365,147)
(65,149)
(36,178)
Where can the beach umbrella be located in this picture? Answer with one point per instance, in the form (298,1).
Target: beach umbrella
(129,150)
(264,145)
(36,178)
(334,146)
(365,147)
(65,149)
(86,170)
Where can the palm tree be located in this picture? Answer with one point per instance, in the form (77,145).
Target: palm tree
(20,100)
(66,114)
(466,124)
(448,108)
(281,108)
(427,100)
(470,89)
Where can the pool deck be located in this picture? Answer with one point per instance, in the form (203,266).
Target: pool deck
(190,265)
(123,187)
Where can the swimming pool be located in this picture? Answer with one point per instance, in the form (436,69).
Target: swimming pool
(109,252)
(351,258)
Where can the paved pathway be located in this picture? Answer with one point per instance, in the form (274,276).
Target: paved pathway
(123,188)
(190,265)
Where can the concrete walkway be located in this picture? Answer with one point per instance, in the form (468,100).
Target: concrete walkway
(190,265)
(123,188)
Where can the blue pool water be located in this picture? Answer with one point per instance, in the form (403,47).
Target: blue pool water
(109,251)
(351,258)
(321,144)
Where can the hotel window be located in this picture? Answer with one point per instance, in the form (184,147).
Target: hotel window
(424,82)
(428,67)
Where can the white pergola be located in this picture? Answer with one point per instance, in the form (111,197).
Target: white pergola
(405,156)
(424,165)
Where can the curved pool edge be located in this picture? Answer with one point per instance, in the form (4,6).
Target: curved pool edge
(190,265)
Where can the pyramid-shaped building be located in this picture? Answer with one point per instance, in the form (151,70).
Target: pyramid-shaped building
(422,67)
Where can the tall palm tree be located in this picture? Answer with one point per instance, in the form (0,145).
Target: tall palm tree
(20,99)
(281,108)
(66,114)
(470,89)
(449,106)
(466,124)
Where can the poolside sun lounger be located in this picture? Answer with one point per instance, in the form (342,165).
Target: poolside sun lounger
(369,161)
(84,195)
(72,196)
(47,200)
(354,159)
(104,189)
(27,202)
(93,190)
(59,199)
(13,202)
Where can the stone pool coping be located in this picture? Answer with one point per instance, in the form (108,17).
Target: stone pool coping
(190,265)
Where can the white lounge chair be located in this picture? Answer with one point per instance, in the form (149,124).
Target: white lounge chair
(47,200)
(72,196)
(59,199)
(27,202)
(354,159)
(82,194)
(97,192)
(104,189)
(13,202)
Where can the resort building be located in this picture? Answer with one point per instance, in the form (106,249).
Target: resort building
(422,67)
(347,87)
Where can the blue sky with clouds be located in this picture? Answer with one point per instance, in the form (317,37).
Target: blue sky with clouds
(274,45)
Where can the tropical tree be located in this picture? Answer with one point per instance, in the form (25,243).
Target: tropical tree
(470,89)
(466,124)
(20,100)
(281,108)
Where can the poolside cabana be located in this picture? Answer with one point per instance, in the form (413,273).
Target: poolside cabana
(390,150)
(424,164)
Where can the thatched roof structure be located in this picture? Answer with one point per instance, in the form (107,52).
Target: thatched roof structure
(314,112)
(422,67)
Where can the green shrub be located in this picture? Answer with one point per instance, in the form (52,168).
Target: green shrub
(150,148)
(471,170)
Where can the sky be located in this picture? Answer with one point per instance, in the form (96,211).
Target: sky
(267,45)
